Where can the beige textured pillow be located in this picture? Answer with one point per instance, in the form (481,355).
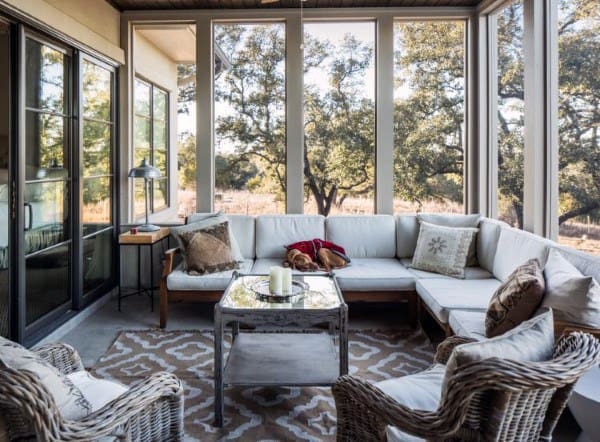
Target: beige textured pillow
(574,297)
(532,341)
(208,250)
(516,300)
(443,249)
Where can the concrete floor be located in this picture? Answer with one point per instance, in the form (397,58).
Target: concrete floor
(95,335)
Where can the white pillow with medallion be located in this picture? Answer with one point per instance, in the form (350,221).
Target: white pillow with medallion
(443,249)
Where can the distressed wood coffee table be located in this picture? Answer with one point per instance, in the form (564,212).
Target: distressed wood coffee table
(284,352)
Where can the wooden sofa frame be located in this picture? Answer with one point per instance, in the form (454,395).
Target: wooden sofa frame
(166,295)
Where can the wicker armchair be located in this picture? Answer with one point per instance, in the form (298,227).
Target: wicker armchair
(496,399)
(151,410)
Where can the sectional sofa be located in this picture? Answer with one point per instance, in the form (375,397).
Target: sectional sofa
(381,248)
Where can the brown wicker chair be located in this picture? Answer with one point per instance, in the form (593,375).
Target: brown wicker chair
(496,399)
(151,410)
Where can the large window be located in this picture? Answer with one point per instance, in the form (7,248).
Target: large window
(151,142)
(250,130)
(429,97)
(339,117)
(510,113)
(579,124)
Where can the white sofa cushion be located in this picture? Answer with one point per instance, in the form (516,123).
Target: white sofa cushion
(274,232)
(98,392)
(263,265)
(372,236)
(588,265)
(407,232)
(575,298)
(470,272)
(375,274)
(514,248)
(470,324)
(443,295)
(242,228)
(69,400)
(419,391)
(487,241)
(179,279)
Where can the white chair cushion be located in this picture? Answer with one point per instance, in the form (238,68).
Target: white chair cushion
(274,232)
(515,247)
(470,272)
(263,265)
(179,279)
(98,392)
(371,236)
(470,324)
(419,391)
(375,274)
(68,398)
(443,295)
(575,298)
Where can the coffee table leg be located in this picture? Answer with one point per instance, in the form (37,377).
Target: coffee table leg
(219,408)
(343,340)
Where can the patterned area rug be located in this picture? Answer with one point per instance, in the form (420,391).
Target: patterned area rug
(253,414)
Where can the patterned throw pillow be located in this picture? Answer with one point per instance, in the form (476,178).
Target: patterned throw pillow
(443,249)
(516,300)
(67,397)
(208,250)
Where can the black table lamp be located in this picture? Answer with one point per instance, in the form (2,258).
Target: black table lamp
(148,172)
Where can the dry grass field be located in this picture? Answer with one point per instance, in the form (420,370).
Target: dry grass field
(585,237)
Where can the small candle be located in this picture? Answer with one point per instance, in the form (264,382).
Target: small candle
(275,280)
(286,280)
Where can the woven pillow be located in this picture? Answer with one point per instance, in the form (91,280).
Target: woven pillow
(574,297)
(443,249)
(516,300)
(208,250)
(68,398)
(531,341)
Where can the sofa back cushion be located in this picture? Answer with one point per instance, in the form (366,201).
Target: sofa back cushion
(274,232)
(588,265)
(407,233)
(242,228)
(370,236)
(487,241)
(514,248)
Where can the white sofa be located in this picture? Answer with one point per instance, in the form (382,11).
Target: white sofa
(381,247)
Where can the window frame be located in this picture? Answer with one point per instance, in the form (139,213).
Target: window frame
(150,118)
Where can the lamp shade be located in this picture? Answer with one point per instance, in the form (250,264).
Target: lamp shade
(144,170)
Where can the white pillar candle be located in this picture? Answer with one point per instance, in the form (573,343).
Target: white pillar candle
(286,280)
(275,280)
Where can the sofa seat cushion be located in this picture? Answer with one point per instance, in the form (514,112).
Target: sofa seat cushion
(375,274)
(372,236)
(470,324)
(419,391)
(179,279)
(263,265)
(274,232)
(98,392)
(443,295)
(470,272)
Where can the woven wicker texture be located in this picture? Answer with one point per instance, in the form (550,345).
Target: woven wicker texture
(495,399)
(151,410)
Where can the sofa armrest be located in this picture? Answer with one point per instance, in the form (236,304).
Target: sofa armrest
(61,356)
(444,350)
(169,260)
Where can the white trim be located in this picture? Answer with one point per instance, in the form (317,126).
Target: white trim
(492,114)
(552,136)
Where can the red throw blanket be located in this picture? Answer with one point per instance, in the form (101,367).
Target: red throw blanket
(313,246)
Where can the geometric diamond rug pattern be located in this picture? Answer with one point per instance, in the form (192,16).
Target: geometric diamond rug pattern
(257,413)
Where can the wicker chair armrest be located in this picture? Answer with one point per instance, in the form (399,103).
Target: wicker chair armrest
(62,356)
(444,350)
(169,261)
(151,409)
(364,411)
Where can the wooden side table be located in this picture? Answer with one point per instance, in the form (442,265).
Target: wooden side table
(139,240)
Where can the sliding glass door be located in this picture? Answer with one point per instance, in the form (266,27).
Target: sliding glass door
(47,238)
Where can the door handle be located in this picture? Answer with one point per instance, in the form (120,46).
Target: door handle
(30,210)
